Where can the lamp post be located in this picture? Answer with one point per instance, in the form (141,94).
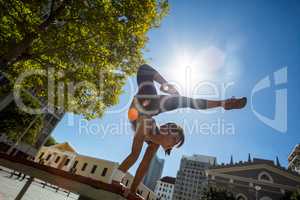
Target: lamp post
(257,188)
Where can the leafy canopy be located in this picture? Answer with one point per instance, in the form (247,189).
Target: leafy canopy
(86,48)
(213,193)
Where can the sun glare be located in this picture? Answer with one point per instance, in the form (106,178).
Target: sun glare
(190,68)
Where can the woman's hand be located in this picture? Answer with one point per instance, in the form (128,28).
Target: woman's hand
(169,88)
(126,192)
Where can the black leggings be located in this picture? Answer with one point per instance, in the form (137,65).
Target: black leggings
(161,103)
(173,102)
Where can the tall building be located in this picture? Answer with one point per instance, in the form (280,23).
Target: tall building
(50,120)
(294,159)
(154,173)
(165,188)
(51,117)
(191,176)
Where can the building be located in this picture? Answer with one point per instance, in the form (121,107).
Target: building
(191,176)
(154,173)
(50,121)
(253,180)
(64,157)
(294,159)
(165,188)
(61,156)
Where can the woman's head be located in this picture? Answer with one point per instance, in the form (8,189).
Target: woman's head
(175,136)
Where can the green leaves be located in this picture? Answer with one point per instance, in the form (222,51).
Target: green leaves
(214,193)
(51,141)
(84,40)
(82,43)
(295,195)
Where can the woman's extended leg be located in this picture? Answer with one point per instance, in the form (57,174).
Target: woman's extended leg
(172,102)
(144,166)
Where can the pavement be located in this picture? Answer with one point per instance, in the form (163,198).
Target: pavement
(9,188)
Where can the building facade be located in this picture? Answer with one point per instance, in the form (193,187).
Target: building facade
(22,149)
(50,122)
(294,159)
(165,188)
(154,173)
(64,157)
(253,180)
(191,176)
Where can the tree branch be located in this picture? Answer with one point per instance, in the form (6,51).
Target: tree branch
(53,14)
(25,56)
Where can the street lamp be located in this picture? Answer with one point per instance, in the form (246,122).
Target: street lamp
(257,188)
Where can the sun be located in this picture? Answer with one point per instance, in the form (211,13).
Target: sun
(189,68)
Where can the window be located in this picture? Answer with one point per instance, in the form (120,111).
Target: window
(57,159)
(94,169)
(140,192)
(104,172)
(75,164)
(265,177)
(67,162)
(48,157)
(41,156)
(84,167)
(241,196)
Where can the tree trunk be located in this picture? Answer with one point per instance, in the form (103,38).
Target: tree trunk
(17,50)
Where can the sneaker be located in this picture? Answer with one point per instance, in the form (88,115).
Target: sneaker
(234,103)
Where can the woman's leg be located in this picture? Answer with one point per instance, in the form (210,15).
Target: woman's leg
(148,74)
(144,166)
(135,151)
(145,80)
(172,102)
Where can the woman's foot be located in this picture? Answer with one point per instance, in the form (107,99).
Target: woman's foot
(129,195)
(234,103)
(118,184)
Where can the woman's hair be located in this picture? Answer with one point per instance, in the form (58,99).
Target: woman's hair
(174,129)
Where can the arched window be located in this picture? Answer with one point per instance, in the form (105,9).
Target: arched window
(265,177)
(241,196)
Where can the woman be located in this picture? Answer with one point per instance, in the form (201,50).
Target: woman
(146,104)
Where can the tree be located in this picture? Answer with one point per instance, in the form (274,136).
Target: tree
(291,196)
(212,193)
(51,141)
(75,55)
(15,121)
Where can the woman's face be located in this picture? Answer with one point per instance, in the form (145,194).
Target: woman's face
(169,139)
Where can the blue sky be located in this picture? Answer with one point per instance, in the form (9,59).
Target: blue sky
(222,42)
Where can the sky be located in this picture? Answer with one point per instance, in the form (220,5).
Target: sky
(213,49)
